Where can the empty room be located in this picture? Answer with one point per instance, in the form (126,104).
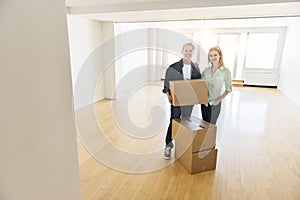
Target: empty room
(143,99)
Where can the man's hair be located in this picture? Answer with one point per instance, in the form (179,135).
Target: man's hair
(188,44)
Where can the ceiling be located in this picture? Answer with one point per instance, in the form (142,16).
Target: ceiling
(166,10)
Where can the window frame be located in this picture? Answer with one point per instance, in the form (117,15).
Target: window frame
(281,30)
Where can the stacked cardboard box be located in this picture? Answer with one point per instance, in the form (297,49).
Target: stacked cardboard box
(189,92)
(195,144)
(194,138)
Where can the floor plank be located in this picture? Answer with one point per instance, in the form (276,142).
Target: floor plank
(258,145)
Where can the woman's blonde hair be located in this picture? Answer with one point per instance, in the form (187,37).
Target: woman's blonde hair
(217,49)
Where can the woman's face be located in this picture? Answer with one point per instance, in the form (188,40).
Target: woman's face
(187,52)
(214,57)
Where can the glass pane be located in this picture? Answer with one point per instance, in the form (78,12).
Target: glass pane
(228,44)
(206,42)
(172,58)
(241,56)
(196,37)
(261,50)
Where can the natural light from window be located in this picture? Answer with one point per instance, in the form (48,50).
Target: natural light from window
(261,50)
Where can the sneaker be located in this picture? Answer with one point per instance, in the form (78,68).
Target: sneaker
(167,154)
(171,145)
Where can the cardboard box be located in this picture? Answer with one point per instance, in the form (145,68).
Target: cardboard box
(195,133)
(195,162)
(189,92)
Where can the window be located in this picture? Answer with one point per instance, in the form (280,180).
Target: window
(244,49)
(206,42)
(172,58)
(261,50)
(229,43)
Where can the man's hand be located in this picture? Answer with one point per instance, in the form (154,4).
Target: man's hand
(169,97)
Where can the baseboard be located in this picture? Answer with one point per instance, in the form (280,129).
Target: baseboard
(261,86)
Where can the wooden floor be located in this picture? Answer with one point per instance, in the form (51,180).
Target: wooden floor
(258,141)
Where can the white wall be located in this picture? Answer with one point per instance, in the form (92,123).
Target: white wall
(92,60)
(84,36)
(290,66)
(109,76)
(38,140)
(132,69)
(139,54)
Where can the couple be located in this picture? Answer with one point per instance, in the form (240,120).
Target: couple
(215,75)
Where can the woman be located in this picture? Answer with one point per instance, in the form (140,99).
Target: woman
(216,76)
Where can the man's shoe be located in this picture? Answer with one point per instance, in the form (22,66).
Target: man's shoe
(170,145)
(167,154)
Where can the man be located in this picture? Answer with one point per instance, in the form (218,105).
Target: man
(181,70)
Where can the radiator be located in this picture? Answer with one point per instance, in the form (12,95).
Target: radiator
(261,78)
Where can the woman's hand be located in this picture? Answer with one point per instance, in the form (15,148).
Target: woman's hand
(217,102)
(220,98)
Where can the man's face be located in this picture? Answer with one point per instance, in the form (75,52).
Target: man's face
(187,52)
